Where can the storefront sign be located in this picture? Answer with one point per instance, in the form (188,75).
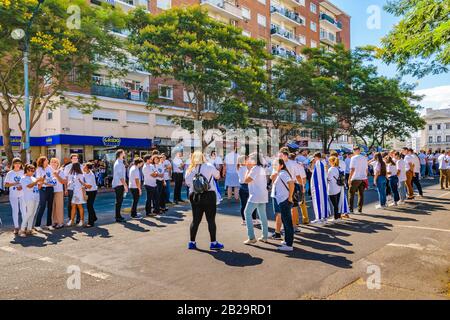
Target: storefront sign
(111,141)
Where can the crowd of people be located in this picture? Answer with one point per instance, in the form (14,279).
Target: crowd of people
(284,180)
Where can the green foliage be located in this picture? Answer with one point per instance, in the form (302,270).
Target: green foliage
(420,43)
(219,66)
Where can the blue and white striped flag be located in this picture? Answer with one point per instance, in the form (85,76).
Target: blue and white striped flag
(319,192)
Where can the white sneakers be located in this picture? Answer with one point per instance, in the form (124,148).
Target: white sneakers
(250,241)
(285,248)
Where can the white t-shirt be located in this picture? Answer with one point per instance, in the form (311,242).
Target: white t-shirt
(241,173)
(408,159)
(402,167)
(347,165)
(132,176)
(147,170)
(416,161)
(14,177)
(59,186)
(231,161)
(442,164)
(377,167)
(359,163)
(50,180)
(422,157)
(280,191)
(160,169)
(391,170)
(430,158)
(333,177)
(295,170)
(67,169)
(258,187)
(29,194)
(167,164)
(177,165)
(89,178)
(208,171)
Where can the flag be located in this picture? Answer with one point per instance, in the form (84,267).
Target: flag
(319,191)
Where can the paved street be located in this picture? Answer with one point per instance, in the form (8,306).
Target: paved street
(148,259)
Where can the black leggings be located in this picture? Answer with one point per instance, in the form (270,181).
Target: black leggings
(119,190)
(203,203)
(243,196)
(335,201)
(90,207)
(136,196)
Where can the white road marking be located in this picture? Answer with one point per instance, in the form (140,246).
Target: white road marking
(422,228)
(444,194)
(8,249)
(46,259)
(415,246)
(95,274)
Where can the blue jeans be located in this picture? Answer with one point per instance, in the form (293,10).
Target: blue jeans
(422,170)
(381,187)
(286,218)
(261,207)
(393,183)
(167,190)
(430,170)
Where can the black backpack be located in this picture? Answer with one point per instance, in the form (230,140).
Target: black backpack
(340,181)
(200,184)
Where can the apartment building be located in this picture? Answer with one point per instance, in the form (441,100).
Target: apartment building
(436,134)
(123,120)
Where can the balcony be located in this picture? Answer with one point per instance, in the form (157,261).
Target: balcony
(117,92)
(126,5)
(284,53)
(290,17)
(328,37)
(285,36)
(132,66)
(224,8)
(296,2)
(333,24)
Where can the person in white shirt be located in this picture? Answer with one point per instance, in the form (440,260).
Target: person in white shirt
(430,163)
(69,192)
(167,164)
(204,202)
(119,183)
(77,182)
(283,186)
(412,172)
(243,189)
(58,193)
(258,197)
(31,197)
(45,191)
(12,181)
(357,178)
(443,161)
(393,178)
(231,176)
(91,192)
(334,190)
(150,173)
(160,183)
(423,163)
(401,172)
(178,169)
(134,185)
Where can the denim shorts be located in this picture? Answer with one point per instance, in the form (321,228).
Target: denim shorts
(276,207)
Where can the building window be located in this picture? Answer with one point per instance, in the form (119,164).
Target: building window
(313,7)
(75,114)
(246,14)
(165,92)
(261,20)
(164,4)
(246,33)
(137,117)
(262,2)
(430,139)
(49,115)
(188,97)
(439,139)
(438,127)
(313,26)
(430,127)
(313,44)
(447,126)
(105,115)
(447,138)
(163,121)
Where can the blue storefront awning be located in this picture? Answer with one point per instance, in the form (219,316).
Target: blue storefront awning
(106,141)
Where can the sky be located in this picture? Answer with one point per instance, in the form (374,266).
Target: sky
(436,88)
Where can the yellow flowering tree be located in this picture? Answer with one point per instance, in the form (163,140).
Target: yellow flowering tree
(66,40)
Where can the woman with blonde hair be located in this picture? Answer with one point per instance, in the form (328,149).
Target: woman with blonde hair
(200,179)
(58,194)
(334,189)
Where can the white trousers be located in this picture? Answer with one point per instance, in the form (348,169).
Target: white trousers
(28,217)
(16,203)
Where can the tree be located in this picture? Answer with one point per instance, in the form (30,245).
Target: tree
(420,43)
(67,39)
(218,66)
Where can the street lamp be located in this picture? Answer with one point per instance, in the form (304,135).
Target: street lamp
(18,34)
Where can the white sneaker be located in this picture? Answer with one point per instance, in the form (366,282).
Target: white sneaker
(262,239)
(38,228)
(250,241)
(69,224)
(80,224)
(378,206)
(401,202)
(285,248)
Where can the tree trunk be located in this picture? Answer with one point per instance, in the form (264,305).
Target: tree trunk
(6,131)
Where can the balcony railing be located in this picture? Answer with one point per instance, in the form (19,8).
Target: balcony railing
(285,53)
(326,17)
(287,13)
(328,36)
(289,35)
(228,7)
(118,92)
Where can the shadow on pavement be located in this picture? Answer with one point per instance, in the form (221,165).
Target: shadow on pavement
(234,258)
(396,218)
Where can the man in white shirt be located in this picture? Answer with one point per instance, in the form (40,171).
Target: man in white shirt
(178,169)
(443,161)
(119,183)
(423,163)
(412,172)
(134,185)
(358,175)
